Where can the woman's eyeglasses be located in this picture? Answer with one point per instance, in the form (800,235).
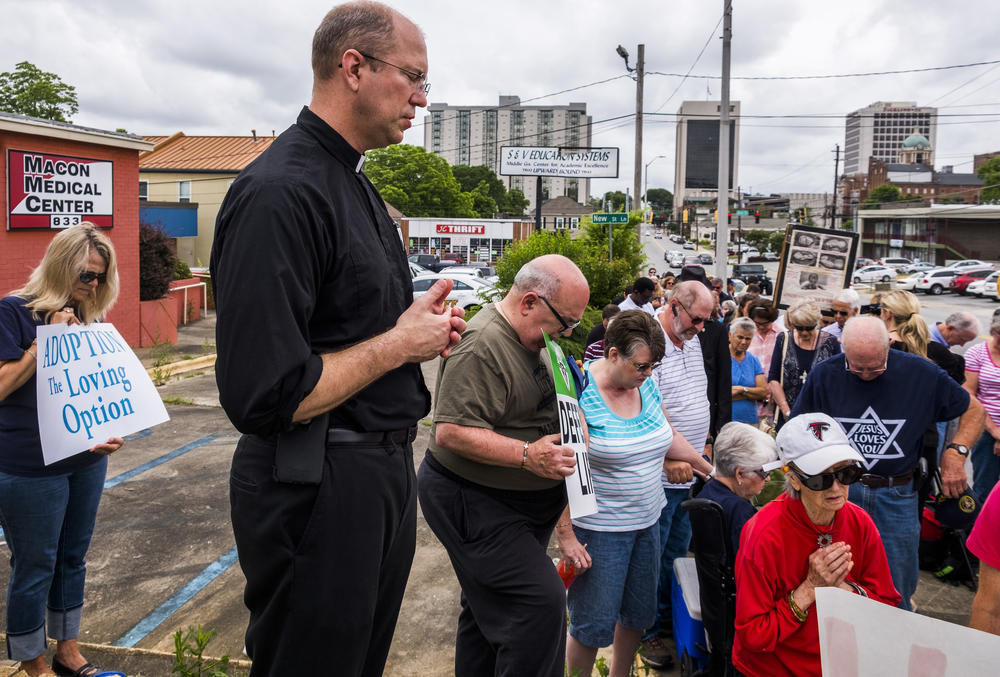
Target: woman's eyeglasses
(759,472)
(644,366)
(804,330)
(87,277)
(822,482)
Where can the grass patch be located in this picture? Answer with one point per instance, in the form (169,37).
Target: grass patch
(177,400)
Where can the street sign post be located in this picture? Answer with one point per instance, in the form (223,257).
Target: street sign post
(742,212)
(599,217)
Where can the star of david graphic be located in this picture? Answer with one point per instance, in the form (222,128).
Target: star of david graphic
(565,373)
(872,437)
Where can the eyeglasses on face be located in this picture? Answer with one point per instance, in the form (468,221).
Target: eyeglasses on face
(867,371)
(847,475)
(759,472)
(642,367)
(841,312)
(694,320)
(803,329)
(87,277)
(566,326)
(418,78)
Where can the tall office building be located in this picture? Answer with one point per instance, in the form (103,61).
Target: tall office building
(879,130)
(473,135)
(696,158)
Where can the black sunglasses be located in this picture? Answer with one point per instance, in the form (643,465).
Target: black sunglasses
(87,277)
(566,326)
(802,329)
(822,482)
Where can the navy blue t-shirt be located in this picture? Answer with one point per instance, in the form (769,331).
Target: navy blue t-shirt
(20,447)
(885,418)
(737,510)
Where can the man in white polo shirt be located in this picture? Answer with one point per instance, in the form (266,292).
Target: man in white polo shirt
(683,385)
(641,297)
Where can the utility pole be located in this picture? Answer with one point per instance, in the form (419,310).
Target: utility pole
(639,70)
(722,202)
(739,225)
(836,172)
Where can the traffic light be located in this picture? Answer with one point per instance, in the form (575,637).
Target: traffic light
(715,216)
(685,216)
(729,218)
(756,217)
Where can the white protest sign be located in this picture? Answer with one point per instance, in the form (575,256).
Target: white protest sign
(90,387)
(580,485)
(589,163)
(858,636)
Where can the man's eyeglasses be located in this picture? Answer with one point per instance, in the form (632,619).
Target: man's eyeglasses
(87,277)
(418,78)
(694,320)
(566,326)
(866,371)
(822,482)
(644,366)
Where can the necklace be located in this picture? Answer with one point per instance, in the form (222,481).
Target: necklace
(824,539)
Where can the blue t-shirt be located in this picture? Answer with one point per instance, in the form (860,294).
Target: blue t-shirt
(745,374)
(885,418)
(737,511)
(20,447)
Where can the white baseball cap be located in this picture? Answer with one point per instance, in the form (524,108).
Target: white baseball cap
(814,442)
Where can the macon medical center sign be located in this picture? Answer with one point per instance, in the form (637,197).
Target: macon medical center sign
(57,191)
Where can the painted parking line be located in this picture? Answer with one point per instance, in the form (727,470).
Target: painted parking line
(179,599)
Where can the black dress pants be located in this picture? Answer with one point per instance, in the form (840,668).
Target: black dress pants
(513,618)
(326,566)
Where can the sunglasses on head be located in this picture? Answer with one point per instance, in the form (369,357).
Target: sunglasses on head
(822,482)
(87,277)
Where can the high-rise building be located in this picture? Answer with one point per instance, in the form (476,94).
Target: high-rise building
(696,158)
(473,135)
(879,130)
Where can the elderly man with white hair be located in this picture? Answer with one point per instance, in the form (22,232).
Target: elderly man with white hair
(885,400)
(956,330)
(846,305)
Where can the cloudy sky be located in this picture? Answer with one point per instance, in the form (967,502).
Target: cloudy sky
(225,67)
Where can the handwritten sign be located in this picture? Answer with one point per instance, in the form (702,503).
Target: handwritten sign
(579,485)
(90,387)
(858,636)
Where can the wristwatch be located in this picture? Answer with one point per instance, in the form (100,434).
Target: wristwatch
(960,448)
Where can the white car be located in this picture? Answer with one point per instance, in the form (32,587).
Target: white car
(873,274)
(896,262)
(978,287)
(937,281)
(676,259)
(990,287)
(468,290)
(689,245)
(909,282)
(968,263)
(417,269)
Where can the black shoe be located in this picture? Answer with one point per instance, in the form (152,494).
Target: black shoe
(87,670)
(656,655)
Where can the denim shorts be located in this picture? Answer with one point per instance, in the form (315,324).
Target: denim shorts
(620,586)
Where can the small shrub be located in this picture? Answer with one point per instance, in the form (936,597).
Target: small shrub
(181,270)
(156,263)
(189,660)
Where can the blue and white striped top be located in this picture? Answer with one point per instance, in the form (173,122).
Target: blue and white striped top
(626,459)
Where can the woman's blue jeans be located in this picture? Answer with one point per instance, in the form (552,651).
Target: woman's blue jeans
(47,523)
(985,467)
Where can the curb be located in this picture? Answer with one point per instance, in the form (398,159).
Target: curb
(181,367)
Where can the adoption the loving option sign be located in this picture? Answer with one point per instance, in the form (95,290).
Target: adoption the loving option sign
(90,387)
(579,485)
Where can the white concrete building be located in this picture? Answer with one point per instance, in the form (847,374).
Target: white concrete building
(878,130)
(696,158)
(473,135)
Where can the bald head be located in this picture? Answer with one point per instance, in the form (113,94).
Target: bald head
(549,296)
(690,307)
(866,346)
(549,275)
(692,292)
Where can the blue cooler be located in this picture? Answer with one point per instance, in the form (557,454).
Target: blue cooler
(685,602)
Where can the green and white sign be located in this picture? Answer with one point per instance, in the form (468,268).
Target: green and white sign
(602,217)
(579,485)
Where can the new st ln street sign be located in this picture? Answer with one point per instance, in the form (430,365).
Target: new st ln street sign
(599,217)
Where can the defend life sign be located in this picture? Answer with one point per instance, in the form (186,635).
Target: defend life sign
(57,191)
(90,387)
(579,485)
(582,163)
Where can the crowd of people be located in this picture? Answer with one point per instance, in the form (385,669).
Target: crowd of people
(688,389)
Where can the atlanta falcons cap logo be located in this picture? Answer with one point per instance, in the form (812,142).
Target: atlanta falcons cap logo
(818,428)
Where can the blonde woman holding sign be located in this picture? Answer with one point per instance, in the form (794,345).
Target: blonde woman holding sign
(48,512)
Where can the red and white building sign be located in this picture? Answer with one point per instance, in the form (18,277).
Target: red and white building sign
(456,229)
(57,191)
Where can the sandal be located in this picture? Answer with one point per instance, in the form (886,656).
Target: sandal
(61,670)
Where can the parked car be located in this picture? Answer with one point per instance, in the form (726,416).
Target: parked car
(968,263)
(990,287)
(691,261)
(909,282)
(483,272)
(706,259)
(751,253)
(917,268)
(432,262)
(417,269)
(978,288)
(874,273)
(754,272)
(862,262)
(468,290)
(689,245)
(675,258)
(936,281)
(771,256)
(894,262)
(961,283)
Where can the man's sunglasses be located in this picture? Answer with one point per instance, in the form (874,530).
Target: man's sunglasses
(87,277)
(824,481)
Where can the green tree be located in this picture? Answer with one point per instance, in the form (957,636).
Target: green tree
(757,237)
(482,201)
(418,183)
(29,90)
(615,200)
(883,197)
(660,199)
(989,172)
(775,241)
(514,203)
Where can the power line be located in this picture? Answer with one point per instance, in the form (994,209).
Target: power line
(697,58)
(826,77)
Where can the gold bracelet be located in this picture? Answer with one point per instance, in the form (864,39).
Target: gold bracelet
(800,615)
(524,456)
(34,356)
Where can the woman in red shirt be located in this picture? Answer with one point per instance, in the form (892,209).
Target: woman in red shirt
(810,537)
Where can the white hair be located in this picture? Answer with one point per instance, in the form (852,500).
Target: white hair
(742,323)
(741,445)
(850,297)
(963,322)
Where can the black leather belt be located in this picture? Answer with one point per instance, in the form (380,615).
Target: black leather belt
(880,482)
(345,436)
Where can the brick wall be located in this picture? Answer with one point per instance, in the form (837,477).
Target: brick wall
(21,251)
